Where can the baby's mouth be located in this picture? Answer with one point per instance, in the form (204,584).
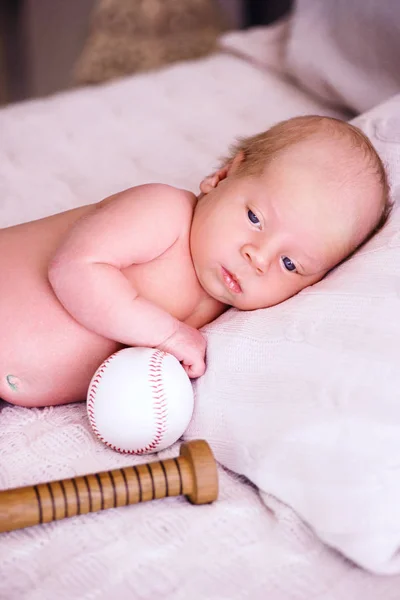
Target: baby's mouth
(231,282)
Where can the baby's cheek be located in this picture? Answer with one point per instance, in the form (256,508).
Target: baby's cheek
(287,285)
(312,280)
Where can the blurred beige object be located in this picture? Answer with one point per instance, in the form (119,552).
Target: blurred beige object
(128,36)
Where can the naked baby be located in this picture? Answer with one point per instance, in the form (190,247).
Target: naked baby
(152,264)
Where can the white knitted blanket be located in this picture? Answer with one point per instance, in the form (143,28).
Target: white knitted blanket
(79,147)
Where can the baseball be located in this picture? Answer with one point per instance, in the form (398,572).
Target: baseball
(140,400)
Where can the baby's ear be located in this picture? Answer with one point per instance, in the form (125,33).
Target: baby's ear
(211,181)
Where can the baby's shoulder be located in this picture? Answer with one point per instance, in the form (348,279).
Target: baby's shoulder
(171,197)
(155,196)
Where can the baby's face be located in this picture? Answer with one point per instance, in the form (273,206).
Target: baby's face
(256,241)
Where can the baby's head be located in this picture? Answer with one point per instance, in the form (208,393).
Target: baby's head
(286,207)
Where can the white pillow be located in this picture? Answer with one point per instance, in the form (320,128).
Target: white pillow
(346,51)
(264,45)
(304,398)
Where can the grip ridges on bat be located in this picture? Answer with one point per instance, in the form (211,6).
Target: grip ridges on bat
(193,473)
(165,478)
(89,492)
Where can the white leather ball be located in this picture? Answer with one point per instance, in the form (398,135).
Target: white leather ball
(140,400)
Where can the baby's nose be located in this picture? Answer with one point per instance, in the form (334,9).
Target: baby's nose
(255,258)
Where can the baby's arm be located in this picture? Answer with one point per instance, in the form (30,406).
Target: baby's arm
(134,226)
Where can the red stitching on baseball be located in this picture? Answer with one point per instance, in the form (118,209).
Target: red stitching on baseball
(159,401)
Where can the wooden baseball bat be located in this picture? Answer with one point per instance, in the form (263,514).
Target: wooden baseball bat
(192,474)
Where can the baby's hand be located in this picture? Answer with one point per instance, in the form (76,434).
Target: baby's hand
(189,347)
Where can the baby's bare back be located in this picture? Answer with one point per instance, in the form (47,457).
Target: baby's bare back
(46,356)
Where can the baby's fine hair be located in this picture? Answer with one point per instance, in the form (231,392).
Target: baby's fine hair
(259,150)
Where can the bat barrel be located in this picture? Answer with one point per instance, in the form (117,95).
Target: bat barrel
(193,474)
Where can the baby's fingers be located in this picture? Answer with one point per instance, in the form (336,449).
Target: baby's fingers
(195,370)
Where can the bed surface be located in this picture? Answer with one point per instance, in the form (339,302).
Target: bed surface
(76,148)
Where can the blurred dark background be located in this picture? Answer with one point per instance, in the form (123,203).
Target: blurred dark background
(41,40)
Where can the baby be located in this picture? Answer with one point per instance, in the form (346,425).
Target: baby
(152,264)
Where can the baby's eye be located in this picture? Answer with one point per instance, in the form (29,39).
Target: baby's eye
(253,217)
(288,264)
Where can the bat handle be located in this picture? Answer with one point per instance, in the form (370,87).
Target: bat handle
(192,474)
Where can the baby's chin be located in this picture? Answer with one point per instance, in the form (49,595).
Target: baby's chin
(247,304)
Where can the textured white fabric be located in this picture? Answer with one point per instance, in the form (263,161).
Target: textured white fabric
(304,398)
(76,148)
(346,51)
(169,549)
(170,126)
